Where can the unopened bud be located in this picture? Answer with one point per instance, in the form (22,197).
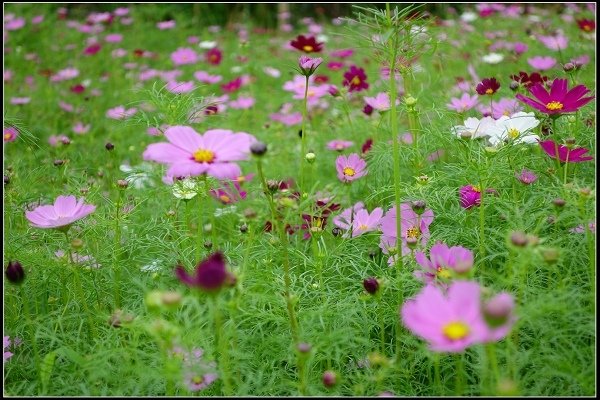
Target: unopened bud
(243,228)
(411,242)
(15,272)
(336,231)
(329,379)
(371,285)
(418,206)
(208,244)
(6,179)
(533,240)
(258,148)
(514,85)
(519,239)
(310,157)
(109,146)
(559,203)
(249,213)
(550,255)
(498,309)
(58,163)
(568,67)
(122,183)
(119,317)
(171,299)
(76,243)
(410,101)
(304,347)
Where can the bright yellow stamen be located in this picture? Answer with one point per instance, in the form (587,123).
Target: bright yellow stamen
(310,93)
(444,273)
(241,179)
(198,380)
(476,188)
(203,155)
(456,330)
(587,28)
(513,133)
(224,198)
(7,136)
(355,81)
(489,91)
(554,105)
(349,171)
(413,232)
(308,48)
(363,227)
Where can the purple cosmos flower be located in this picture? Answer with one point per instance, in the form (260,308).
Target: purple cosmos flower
(565,154)
(526,176)
(414,227)
(339,145)
(450,321)
(62,214)
(520,48)
(443,262)
(210,275)
(191,154)
(469,196)
(120,112)
(356,79)
(309,65)
(541,63)
(466,102)
(559,100)
(350,168)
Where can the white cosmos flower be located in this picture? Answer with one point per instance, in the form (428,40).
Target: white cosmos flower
(468,16)
(185,189)
(514,129)
(206,44)
(474,128)
(322,38)
(492,58)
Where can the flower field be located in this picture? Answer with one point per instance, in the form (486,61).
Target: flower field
(399,201)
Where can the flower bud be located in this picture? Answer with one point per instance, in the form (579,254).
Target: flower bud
(258,148)
(411,242)
(519,239)
(422,179)
(498,309)
(329,379)
(533,240)
(243,228)
(171,299)
(559,203)
(272,185)
(550,255)
(76,243)
(304,347)
(109,146)
(336,231)
(249,213)
(571,119)
(514,85)
(208,244)
(6,180)
(15,272)
(58,163)
(568,67)
(371,285)
(122,184)
(118,317)
(418,206)
(310,157)
(410,101)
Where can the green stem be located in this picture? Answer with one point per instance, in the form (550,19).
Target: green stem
(459,374)
(303,145)
(201,210)
(221,346)
(32,330)
(491,353)
(116,255)
(380,312)
(436,368)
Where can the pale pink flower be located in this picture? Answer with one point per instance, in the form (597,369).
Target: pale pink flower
(120,112)
(62,214)
(163,25)
(184,55)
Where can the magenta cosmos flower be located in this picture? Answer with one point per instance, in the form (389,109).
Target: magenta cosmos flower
(470,196)
(210,275)
(413,227)
(307,44)
(356,79)
(213,56)
(309,65)
(488,86)
(350,168)
(62,214)
(10,134)
(190,154)
(565,154)
(443,263)
(559,100)
(450,322)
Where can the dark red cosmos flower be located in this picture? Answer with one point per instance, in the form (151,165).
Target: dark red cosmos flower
(213,56)
(559,100)
(93,49)
(368,109)
(367,146)
(321,79)
(138,52)
(488,86)
(565,154)
(77,89)
(211,110)
(307,44)
(529,80)
(210,274)
(586,25)
(232,86)
(356,79)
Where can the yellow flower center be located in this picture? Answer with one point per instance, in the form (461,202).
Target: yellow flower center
(224,198)
(310,93)
(308,48)
(241,179)
(444,273)
(198,380)
(554,105)
(476,188)
(355,81)
(7,136)
(363,227)
(203,155)
(456,330)
(212,57)
(489,91)
(413,232)
(349,171)
(513,133)
(339,146)
(587,28)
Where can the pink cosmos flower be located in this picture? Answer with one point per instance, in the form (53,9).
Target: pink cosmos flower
(414,227)
(205,77)
(80,129)
(559,100)
(242,102)
(5,346)
(364,222)
(520,48)
(121,11)
(231,192)
(526,176)
(120,112)
(465,103)
(581,228)
(565,154)
(170,75)
(14,24)
(191,154)
(309,65)
(443,263)
(381,102)
(113,38)
(502,107)
(10,134)
(339,145)
(558,42)
(62,214)
(449,322)
(273,72)
(38,19)
(184,55)
(469,196)
(19,100)
(180,87)
(163,25)
(346,218)
(541,63)
(195,382)
(350,168)
(287,119)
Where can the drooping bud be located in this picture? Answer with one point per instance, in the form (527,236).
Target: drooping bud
(15,272)
(418,206)
(519,239)
(109,146)
(258,148)
(498,309)
(371,285)
(329,379)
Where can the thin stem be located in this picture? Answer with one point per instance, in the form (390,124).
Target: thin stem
(436,369)
(32,329)
(380,311)
(201,210)
(221,346)
(459,374)
(303,145)
(491,352)
(116,254)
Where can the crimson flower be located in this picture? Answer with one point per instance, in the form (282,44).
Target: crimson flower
(232,86)
(488,86)
(307,44)
(565,154)
(529,80)
(356,79)
(213,56)
(210,274)
(559,100)
(586,25)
